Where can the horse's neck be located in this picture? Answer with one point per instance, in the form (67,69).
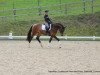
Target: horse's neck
(58,26)
(55,27)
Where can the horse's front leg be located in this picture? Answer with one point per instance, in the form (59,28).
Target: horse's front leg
(50,41)
(39,41)
(58,41)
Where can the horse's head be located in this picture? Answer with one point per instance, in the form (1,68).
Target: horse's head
(61,29)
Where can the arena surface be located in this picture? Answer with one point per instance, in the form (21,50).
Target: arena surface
(74,58)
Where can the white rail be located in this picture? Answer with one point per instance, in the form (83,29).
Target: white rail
(11,37)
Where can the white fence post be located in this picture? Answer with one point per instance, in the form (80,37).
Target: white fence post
(10,36)
(93,37)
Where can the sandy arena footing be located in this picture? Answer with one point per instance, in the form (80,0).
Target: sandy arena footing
(74,58)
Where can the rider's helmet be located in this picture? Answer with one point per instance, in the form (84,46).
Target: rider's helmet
(46,10)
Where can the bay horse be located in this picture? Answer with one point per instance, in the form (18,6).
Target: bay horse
(36,30)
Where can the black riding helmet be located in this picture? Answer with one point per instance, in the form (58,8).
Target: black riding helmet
(46,10)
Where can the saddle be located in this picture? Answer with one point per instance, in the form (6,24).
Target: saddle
(44,27)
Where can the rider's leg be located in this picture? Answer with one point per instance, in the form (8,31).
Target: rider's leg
(47,29)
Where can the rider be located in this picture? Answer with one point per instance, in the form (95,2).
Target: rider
(47,21)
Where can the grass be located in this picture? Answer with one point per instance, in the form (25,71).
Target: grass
(77,25)
(81,25)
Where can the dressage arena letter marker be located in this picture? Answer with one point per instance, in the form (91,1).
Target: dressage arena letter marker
(10,36)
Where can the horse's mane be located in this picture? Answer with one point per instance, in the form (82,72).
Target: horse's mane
(58,25)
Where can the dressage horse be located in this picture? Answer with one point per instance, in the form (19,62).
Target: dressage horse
(36,30)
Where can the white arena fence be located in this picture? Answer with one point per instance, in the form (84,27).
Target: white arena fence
(11,37)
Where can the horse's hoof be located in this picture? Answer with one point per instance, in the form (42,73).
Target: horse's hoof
(59,47)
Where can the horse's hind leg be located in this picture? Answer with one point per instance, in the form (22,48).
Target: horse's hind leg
(30,40)
(39,40)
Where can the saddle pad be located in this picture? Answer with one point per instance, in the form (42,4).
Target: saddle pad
(44,27)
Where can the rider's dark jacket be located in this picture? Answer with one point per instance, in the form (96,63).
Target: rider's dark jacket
(47,19)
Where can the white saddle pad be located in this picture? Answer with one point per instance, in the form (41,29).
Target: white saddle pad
(44,28)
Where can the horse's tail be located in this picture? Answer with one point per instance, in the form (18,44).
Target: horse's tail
(29,37)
